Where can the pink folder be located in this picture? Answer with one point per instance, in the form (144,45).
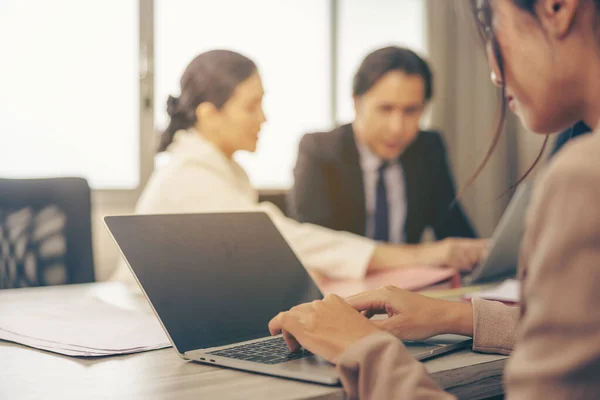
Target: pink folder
(413,278)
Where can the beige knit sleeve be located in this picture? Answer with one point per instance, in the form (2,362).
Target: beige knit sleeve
(494,326)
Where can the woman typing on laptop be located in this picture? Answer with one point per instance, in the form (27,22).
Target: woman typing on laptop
(536,49)
(219,113)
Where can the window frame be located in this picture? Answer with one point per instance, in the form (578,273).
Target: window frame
(146,132)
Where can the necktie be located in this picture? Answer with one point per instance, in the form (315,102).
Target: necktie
(382,221)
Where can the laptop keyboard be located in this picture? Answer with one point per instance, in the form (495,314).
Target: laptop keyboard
(272,351)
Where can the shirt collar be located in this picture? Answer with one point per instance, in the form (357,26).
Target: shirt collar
(369,161)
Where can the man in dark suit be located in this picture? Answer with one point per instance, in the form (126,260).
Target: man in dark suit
(381,176)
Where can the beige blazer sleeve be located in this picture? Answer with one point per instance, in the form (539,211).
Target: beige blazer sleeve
(379,367)
(494,326)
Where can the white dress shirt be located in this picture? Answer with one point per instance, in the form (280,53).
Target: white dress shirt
(395,190)
(200,178)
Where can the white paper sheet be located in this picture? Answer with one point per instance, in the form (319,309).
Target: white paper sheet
(87,328)
(509,291)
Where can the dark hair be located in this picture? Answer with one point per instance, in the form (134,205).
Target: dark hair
(482,15)
(210,77)
(382,61)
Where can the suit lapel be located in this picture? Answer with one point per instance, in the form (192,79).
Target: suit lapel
(352,177)
(409,162)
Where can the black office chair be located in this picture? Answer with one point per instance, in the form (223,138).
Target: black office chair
(45,232)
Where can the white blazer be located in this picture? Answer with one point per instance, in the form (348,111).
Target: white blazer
(200,178)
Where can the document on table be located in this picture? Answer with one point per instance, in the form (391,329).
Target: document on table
(87,328)
(507,292)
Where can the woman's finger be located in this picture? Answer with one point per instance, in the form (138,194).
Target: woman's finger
(275,324)
(291,341)
(373,302)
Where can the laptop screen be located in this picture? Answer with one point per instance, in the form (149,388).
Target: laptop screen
(503,255)
(213,279)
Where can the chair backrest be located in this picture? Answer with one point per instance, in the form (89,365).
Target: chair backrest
(45,232)
(277,197)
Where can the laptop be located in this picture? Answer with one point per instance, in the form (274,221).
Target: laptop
(214,282)
(503,256)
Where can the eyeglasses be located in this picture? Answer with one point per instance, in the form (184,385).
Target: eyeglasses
(484,15)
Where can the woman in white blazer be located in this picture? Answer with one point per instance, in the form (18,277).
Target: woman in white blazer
(219,113)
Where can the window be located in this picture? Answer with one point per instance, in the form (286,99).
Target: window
(69,97)
(364,26)
(288,40)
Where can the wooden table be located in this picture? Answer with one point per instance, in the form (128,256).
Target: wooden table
(27,373)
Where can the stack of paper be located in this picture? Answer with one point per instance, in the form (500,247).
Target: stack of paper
(89,328)
(507,292)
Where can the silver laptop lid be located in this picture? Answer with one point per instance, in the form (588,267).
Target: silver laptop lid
(503,256)
(212,279)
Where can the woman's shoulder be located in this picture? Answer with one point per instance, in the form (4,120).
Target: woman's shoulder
(567,192)
(175,184)
(576,164)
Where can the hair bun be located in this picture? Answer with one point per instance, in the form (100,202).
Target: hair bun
(173,106)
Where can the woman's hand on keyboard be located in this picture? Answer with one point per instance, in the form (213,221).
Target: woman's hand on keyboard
(413,316)
(324,327)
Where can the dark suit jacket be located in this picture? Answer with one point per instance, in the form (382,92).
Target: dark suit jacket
(329,187)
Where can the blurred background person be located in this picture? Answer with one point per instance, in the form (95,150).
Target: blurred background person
(381,176)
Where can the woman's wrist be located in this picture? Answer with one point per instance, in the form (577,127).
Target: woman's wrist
(457,318)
